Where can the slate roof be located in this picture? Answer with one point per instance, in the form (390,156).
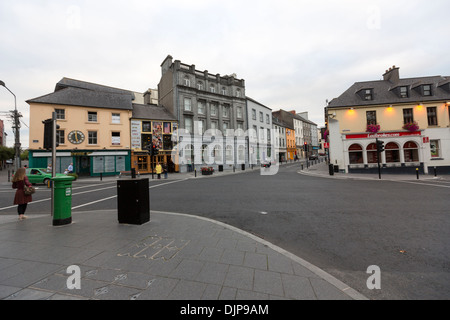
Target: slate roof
(73,96)
(288,118)
(385,92)
(151,111)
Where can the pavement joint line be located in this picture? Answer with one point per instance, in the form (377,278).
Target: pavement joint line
(352,293)
(321,273)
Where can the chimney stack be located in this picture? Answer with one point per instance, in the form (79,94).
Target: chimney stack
(392,74)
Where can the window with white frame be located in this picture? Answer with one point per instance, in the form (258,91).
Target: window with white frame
(60,114)
(226,111)
(187,104)
(92,116)
(115,118)
(435,149)
(239,112)
(188,124)
(213,109)
(201,107)
(92,137)
(115,138)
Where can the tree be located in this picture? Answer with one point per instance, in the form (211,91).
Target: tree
(5,154)
(24,155)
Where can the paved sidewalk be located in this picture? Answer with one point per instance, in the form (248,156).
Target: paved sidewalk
(174,256)
(321,169)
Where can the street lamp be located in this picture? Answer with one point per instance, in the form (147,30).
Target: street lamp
(16,132)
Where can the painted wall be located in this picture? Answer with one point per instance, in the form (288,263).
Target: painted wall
(76,118)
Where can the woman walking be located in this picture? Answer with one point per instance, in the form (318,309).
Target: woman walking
(20,180)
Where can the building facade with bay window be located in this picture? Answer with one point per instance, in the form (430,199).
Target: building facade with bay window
(411,116)
(94,128)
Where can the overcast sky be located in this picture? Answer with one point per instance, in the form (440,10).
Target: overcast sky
(292,54)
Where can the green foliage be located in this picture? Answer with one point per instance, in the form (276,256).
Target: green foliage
(6,153)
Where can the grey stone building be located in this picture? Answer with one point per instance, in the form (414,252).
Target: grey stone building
(211,112)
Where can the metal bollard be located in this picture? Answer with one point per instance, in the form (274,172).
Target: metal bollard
(417,173)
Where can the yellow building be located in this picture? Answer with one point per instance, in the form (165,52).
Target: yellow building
(290,143)
(411,116)
(94,128)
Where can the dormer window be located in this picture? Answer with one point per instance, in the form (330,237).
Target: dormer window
(404,92)
(426,90)
(368,94)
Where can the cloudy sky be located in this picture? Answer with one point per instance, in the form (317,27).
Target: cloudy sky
(293,54)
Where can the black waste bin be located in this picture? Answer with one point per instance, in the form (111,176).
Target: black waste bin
(331,169)
(336,168)
(133,201)
(243,166)
(220,168)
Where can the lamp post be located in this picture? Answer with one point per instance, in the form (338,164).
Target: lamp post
(17,164)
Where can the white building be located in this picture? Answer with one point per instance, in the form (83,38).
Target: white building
(260,132)
(411,116)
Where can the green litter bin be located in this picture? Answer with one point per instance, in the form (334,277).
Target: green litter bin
(62,200)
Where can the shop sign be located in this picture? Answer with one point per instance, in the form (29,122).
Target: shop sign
(426,139)
(382,135)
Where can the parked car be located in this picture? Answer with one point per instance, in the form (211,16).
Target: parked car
(39,175)
(9,161)
(313,157)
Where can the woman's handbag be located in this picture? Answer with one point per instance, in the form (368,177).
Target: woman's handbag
(28,190)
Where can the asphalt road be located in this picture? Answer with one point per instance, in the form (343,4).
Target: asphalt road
(341,226)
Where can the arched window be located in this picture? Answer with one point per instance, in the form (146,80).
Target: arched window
(200,85)
(392,152)
(355,152)
(372,154)
(411,152)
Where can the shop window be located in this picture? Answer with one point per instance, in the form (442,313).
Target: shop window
(355,153)
(411,152)
(372,154)
(435,149)
(142,163)
(146,126)
(392,151)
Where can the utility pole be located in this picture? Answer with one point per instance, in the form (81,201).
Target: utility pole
(16,129)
